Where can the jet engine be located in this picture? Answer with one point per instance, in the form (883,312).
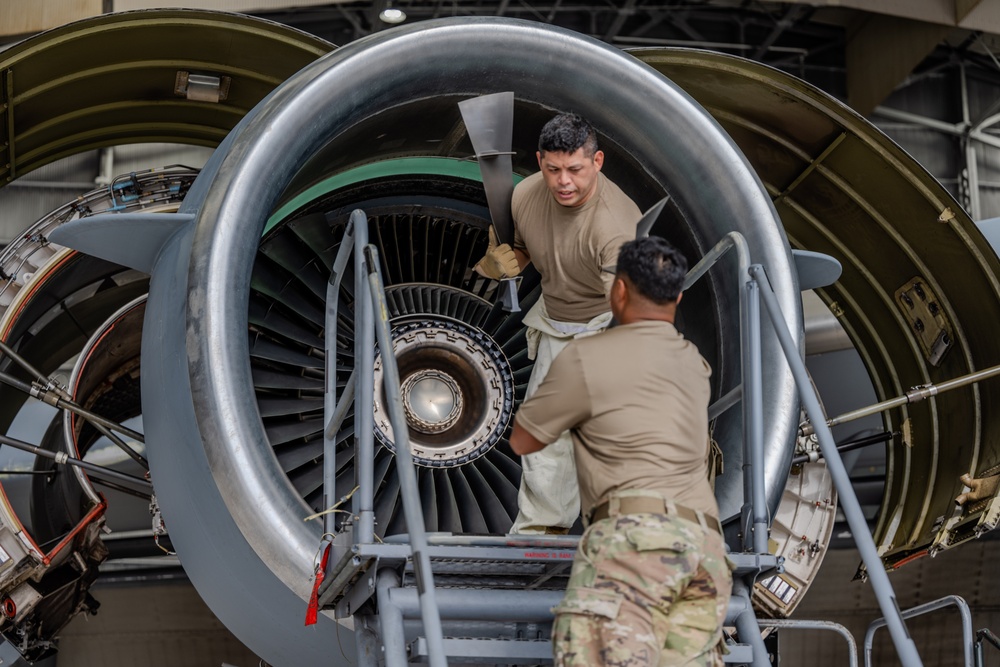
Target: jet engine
(233,362)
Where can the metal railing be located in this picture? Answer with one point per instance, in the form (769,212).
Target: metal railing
(755,289)
(884,594)
(371,318)
(927,607)
(795,624)
(985,635)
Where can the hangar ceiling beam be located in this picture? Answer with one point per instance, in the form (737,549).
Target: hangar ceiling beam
(881,52)
(968,14)
(26,17)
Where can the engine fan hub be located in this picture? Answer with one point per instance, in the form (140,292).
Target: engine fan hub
(432,401)
(456,387)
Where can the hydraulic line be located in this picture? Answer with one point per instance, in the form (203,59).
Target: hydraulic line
(846,447)
(54,397)
(66,459)
(915,395)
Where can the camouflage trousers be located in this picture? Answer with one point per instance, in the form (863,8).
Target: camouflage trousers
(646,589)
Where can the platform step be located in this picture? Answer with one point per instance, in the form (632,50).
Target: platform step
(488,651)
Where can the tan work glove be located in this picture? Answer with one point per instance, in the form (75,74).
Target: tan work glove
(979,488)
(499,262)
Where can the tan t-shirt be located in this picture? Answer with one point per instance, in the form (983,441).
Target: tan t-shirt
(636,400)
(569,246)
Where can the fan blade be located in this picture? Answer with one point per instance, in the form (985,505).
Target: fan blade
(648,218)
(489,120)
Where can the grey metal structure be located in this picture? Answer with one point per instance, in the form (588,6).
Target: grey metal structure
(968,648)
(879,579)
(797,624)
(383,565)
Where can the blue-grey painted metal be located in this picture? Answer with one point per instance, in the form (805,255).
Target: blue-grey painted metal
(218,558)
(731,241)
(755,515)
(905,647)
(815,269)
(726,401)
(530,553)
(985,636)
(390,619)
(498,605)
(330,404)
(412,509)
(489,122)
(796,624)
(343,406)
(968,648)
(649,218)
(367,641)
(10,656)
(741,614)
(486,651)
(236,583)
(101,236)
(364,394)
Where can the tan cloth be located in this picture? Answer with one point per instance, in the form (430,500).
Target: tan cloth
(636,398)
(569,246)
(548,497)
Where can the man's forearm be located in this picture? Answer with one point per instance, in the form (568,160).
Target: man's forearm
(523,442)
(523,259)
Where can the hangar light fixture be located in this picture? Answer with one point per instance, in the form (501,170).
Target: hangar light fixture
(392,15)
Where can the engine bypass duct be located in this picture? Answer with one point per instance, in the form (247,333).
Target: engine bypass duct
(844,189)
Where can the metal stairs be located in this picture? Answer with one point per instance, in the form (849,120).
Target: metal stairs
(467,599)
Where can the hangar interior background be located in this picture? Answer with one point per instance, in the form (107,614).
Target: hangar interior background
(926,72)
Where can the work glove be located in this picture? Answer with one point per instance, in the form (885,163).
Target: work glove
(499,262)
(979,488)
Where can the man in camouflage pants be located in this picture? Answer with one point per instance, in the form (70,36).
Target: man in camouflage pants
(650,582)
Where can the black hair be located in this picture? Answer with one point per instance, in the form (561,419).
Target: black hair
(567,133)
(654,267)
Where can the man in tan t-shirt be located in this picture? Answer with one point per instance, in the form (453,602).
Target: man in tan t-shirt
(569,221)
(650,582)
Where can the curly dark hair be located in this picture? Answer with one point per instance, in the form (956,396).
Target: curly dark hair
(654,267)
(566,133)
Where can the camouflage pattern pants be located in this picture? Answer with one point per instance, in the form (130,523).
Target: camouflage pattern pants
(646,589)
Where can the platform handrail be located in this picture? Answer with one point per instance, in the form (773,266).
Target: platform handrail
(947,601)
(805,624)
(731,241)
(884,594)
(430,613)
(754,519)
(371,321)
(985,635)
